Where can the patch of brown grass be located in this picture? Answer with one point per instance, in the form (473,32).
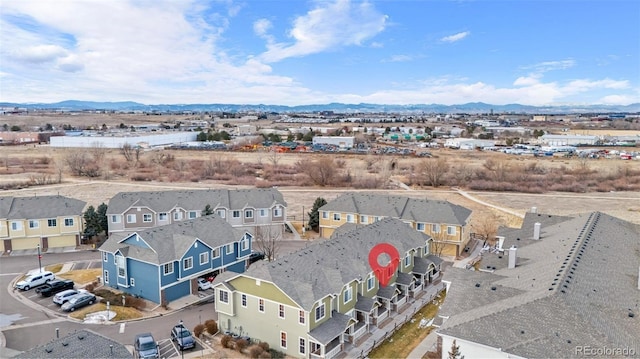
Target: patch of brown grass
(82,276)
(122,313)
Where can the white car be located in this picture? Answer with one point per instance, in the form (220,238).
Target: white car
(64,296)
(203,284)
(35,279)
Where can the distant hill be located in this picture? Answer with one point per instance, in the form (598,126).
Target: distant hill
(473,107)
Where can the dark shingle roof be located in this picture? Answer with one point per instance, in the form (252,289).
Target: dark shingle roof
(84,343)
(327,331)
(164,201)
(418,210)
(38,207)
(576,288)
(170,242)
(323,267)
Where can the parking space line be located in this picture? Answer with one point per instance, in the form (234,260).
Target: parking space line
(122,325)
(32,296)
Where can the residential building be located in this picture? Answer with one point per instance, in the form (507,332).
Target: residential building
(84,343)
(47,221)
(317,302)
(163,263)
(446,222)
(256,210)
(560,287)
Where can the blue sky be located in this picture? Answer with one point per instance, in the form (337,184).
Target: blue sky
(284,52)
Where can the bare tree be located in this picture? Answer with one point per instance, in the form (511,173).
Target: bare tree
(498,169)
(274,157)
(439,243)
(487,227)
(127,151)
(432,171)
(98,152)
(80,164)
(321,172)
(267,240)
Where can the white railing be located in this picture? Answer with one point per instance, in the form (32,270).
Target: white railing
(315,354)
(401,300)
(382,316)
(333,352)
(358,333)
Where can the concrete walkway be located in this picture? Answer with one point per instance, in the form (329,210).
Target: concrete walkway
(427,344)
(502,209)
(464,262)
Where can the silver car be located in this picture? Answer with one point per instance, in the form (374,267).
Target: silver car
(65,295)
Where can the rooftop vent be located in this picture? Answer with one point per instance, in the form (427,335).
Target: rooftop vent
(536,230)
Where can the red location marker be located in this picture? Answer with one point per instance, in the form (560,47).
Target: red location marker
(384,273)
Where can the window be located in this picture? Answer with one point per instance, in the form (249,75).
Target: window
(451,230)
(177,215)
(320,312)
(229,248)
(407,260)
(348,294)
(435,228)
(261,305)
(350,218)
(16,226)
(325,215)
(121,264)
(364,219)
(371,282)
(263,213)
(336,216)
(377,219)
(115,218)
(301,317)
(132,282)
(162,216)
(105,256)
(235,214)
(245,244)
(106,277)
(220,213)
(283,340)
(192,214)
(187,263)
(303,346)
(167,268)
(277,212)
(146,218)
(215,253)
(244,300)
(248,213)
(426,250)
(68,222)
(420,226)
(52,222)
(281,311)
(131,218)
(223,296)
(204,258)
(34,223)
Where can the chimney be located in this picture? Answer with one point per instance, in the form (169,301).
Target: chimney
(534,209)
(500,242)
(512,257)
(536,230)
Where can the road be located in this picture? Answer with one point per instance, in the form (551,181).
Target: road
(25,327)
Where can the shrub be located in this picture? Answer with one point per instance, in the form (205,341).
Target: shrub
(241,344)
(225,341)
(89,287)
(265,355)
(211,326)
(164,303)
(198,330)
(255,351)
(264,346)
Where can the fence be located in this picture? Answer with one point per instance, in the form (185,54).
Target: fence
(399,321)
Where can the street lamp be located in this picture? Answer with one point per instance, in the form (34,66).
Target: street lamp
(39,259)
(181,339)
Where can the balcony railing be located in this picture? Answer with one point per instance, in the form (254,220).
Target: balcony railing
(333,352)
(359,331)
(382,315)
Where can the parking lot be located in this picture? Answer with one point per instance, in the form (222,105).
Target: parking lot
(169,349)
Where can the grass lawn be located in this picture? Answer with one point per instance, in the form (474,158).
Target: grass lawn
(82,276)
(122,313)
(54,268)
(405,339)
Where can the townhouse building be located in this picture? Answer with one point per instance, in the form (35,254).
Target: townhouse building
(256,210)
(45,221)
(445,222)
(162,264)
(562,287)
(317,302)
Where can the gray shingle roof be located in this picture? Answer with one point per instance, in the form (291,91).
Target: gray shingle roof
(324,267)
(576,288)
(84,343)
(365,304)
(406,208)
(164,201)
(38,207)
(170,242)
(328,330)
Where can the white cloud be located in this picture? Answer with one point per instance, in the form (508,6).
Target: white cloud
(399,58)
(550,66)
(618,100)
(38,53)
(261,27)
(327,27)
(456,37)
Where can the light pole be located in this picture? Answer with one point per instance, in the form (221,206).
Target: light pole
(181,340)
(39,259)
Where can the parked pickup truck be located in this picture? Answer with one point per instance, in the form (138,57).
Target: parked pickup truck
(55,286)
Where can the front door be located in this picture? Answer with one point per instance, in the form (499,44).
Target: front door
(45,243)
(7,245)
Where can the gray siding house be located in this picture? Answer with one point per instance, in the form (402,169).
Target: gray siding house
(163,264)
(246,209)
(316,302)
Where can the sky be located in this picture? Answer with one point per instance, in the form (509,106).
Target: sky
(297,52)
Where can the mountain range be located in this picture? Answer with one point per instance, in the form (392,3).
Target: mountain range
(473,107)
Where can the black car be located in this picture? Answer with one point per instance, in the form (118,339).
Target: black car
(55,286)
(255,256)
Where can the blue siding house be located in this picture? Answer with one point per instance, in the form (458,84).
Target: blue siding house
(164,263)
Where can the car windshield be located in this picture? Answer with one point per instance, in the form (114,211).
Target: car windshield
(184,333)
(147,345)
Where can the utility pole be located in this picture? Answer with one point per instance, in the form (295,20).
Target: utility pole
(39,259)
